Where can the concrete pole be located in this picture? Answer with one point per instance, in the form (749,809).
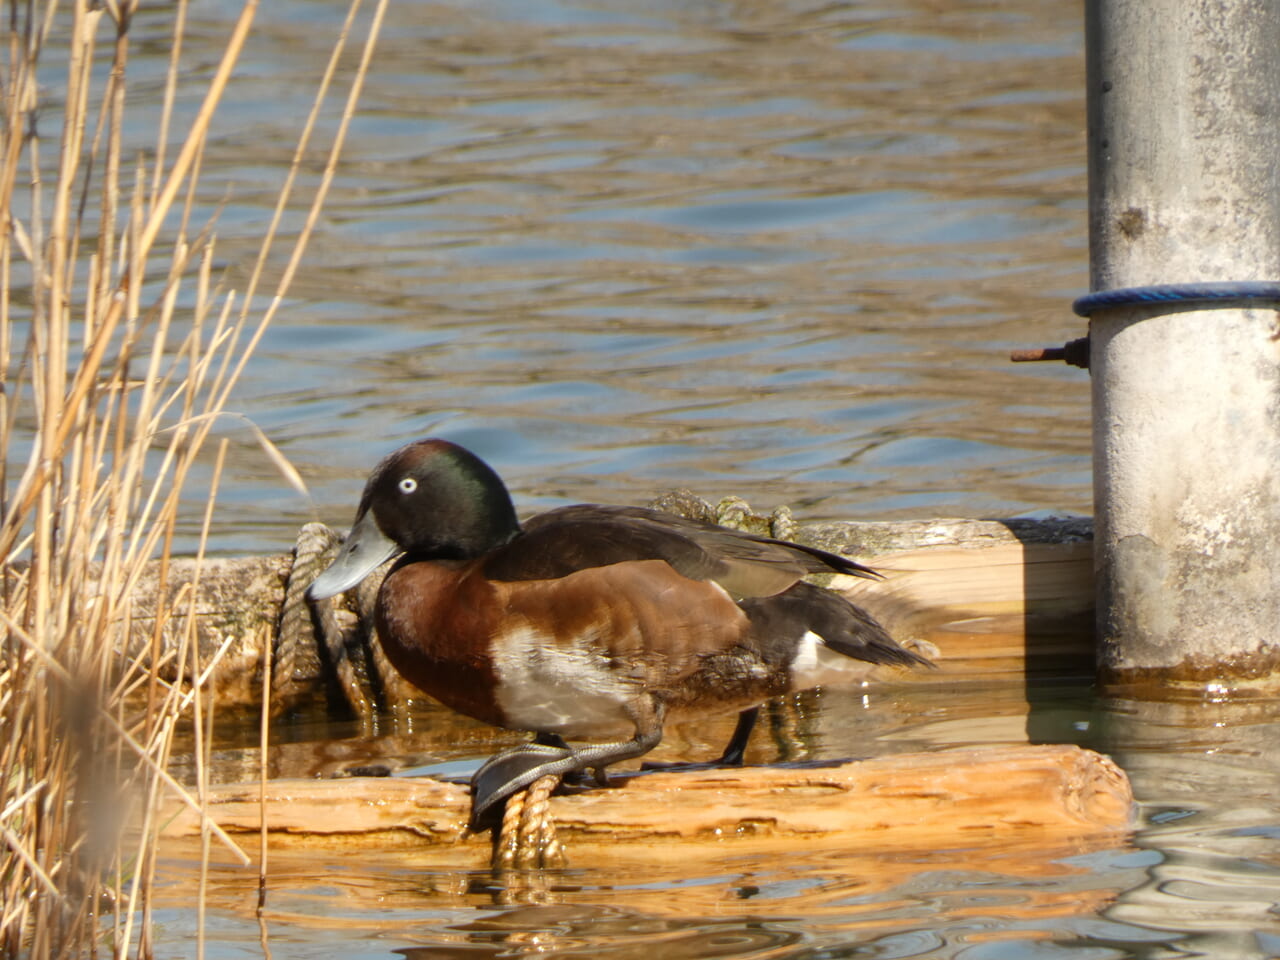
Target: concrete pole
(1184,149)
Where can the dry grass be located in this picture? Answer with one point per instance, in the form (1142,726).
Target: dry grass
(119,347)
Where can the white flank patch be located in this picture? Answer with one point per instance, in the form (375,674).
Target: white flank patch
(560,688)
(815,664)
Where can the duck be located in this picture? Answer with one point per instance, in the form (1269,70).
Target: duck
(589,622)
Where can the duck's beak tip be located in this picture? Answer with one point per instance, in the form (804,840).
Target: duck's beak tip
(365,549)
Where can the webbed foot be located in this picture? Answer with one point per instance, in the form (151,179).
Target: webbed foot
(548,756)
(510,772)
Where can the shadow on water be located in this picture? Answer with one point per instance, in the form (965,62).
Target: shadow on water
(1057,628)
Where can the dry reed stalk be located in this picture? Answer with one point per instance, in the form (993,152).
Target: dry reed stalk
(264,739)
(119,351)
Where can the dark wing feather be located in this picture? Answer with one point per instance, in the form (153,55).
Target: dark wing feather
(781,620)
(563,541)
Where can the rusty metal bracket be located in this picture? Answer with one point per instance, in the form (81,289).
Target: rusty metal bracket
(1074,352)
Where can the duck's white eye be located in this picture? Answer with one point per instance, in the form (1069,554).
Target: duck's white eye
(408,485)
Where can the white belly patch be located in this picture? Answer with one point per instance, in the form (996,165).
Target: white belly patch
(815,664)
(564,689)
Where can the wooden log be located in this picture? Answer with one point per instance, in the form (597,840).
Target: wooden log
(952,799)
(998,611)
(994,599)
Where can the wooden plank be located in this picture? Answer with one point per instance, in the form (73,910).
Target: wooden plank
(1002,610)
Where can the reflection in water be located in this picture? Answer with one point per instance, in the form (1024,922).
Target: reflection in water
(587,930)
(817,903)
(1209,774)
(1202,874)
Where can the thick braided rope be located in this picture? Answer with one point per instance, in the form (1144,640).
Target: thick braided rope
(527,837)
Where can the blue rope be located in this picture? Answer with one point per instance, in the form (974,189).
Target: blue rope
(1210,294)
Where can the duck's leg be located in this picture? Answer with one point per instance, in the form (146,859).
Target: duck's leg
(734,752)
(736,749)
(514,769)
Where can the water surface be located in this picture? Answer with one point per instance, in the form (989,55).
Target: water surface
(778,250)
(1199,876)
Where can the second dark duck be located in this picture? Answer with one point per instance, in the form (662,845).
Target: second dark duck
(589,621)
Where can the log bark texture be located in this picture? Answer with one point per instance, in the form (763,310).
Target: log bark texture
(952,799)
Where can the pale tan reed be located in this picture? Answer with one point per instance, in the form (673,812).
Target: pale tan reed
(120,347)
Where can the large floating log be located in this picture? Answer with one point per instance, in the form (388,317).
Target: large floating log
(997,611)
(952,799)
(993,599)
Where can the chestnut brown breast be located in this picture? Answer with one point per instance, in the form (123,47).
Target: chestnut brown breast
(565,654)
